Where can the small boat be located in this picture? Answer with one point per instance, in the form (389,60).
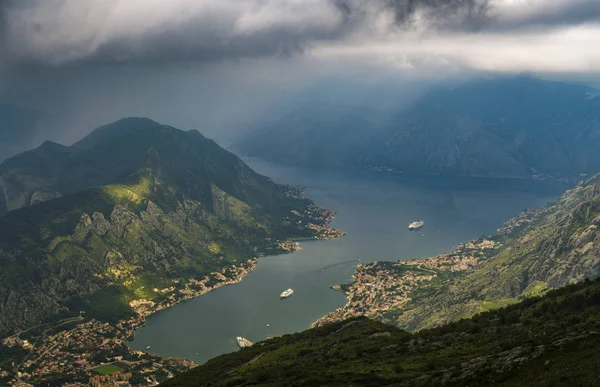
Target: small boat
(268,325)
(243,342)
(286,294)
(416,225)
(148,347)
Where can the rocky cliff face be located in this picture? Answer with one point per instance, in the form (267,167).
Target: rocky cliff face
(121,248)
(131,213)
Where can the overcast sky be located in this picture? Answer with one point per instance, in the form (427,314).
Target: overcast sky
(213,63)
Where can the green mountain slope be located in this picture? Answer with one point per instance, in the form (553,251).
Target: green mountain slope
(539,250)
(561,247)
(506,127)
(135,207)
(547,341)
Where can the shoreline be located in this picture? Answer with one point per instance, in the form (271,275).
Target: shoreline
(118,334)
(381,289)
(391,172)
(145,308)
(285,247)
(113,338)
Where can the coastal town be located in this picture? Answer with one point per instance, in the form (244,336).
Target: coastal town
(380,287)
(88,351)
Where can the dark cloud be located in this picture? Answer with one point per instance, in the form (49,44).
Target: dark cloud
(467,15)
(126,31)
(554,14)
(467,11)
(208,64)
(114,31)
(454,14)
(56,32)
(178,46)
(3,50)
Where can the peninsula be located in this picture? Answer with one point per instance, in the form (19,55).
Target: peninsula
(536,251)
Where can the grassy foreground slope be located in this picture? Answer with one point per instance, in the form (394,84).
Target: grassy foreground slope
(543,341)
(133,208)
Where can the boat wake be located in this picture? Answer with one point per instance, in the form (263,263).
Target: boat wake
(339,264)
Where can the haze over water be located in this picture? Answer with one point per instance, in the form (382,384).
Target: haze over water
(374,210)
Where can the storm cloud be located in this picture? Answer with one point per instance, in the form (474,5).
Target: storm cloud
(545,14)
(122,31)
(3,35)
(408,14)
(61,31)
(56,32)
(217,65)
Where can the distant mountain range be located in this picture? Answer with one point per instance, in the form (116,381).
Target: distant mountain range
(505,127)
(132,207)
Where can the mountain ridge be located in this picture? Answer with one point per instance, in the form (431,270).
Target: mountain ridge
(136,210)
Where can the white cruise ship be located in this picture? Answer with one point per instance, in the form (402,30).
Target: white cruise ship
(286,294)
(416,225)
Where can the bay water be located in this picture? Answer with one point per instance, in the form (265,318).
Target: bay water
(374,209)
